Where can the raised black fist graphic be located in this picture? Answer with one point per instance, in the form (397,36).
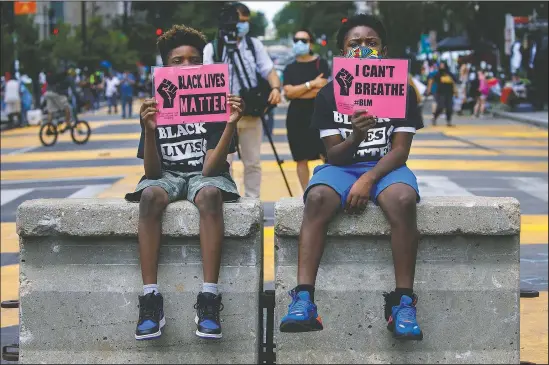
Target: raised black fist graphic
(345,80)
(167,91)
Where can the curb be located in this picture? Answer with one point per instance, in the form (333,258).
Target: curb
(521,119)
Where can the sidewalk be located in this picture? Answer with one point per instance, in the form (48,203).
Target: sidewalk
(538,119)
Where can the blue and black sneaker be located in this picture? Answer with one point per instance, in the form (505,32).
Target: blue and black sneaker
(302,315)
(400,314)
(207,321)
(151,317)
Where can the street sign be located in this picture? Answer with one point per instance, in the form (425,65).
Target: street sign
(24,7)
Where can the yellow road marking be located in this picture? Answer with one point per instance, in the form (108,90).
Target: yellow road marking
(9,291)
(534,230)
(9,240)
(123,186)
(499,133)
(504,143)
(533,329)
(34,141)
(268,254)
(519,152)
(414,164)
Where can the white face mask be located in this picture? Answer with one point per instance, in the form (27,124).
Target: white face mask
(242,28)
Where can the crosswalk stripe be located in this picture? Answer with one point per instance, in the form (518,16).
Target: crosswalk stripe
(89,191)
(440,186)
(8,196)
(531,185)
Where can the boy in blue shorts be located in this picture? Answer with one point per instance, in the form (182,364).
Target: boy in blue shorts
(185,161)
(366,160)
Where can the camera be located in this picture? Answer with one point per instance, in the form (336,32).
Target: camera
(228,18)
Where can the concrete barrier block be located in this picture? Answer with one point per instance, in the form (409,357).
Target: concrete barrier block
(80,277)
(467,280)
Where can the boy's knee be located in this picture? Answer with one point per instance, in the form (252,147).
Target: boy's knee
(321,201)
(209,199)
(153,202)
(406,199)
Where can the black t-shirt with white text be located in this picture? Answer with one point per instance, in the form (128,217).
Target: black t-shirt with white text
(183,147)
(377,144)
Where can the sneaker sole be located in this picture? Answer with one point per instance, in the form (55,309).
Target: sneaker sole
(213,336)
(301,326)
(152,336)
(408,337)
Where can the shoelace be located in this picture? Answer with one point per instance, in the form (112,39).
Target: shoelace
(297,305)
(147,310)
(407,313)
(209,309)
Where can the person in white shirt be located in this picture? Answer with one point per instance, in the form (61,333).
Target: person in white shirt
(12,99)
(250,127)
(111,92)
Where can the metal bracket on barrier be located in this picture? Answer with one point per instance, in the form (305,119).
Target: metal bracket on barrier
(10,304)
(526,293)
(267,346)
(10,353)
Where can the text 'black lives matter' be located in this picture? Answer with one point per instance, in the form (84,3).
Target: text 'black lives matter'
(200,104)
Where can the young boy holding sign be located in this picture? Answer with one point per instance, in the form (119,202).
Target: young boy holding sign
(366,160)
(186,161)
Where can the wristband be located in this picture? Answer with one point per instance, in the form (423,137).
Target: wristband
(308,84)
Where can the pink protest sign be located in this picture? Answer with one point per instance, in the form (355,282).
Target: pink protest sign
(192,94)
(377,85)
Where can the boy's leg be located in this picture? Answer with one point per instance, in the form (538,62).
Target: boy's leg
(154,201)
(208,194)
(397,195)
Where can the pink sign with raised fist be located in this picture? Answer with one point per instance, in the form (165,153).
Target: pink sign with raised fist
(377,85)
(192,94)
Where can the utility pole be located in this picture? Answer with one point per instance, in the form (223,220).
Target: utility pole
(125,17)
(83,21)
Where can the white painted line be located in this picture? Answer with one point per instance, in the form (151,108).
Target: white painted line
(23,150)
(440,186)
(10,195)
(535,186)
(89,191)
(49,181)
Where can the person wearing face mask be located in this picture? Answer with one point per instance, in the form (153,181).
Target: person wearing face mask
(366,161)
(303,79)
(257,64)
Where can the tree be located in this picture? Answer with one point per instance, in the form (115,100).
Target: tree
(258,24)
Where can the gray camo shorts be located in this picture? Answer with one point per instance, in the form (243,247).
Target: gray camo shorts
(186,185)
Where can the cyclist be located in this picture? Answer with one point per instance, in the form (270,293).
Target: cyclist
(56,98)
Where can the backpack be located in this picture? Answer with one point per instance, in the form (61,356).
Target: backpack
(255,98)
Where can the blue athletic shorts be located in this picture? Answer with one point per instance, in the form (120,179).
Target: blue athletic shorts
(342,178)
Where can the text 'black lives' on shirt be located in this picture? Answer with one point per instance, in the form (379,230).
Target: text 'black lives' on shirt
(377,144)
(183,147)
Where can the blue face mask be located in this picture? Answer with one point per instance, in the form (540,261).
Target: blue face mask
(242,28)
(301,49)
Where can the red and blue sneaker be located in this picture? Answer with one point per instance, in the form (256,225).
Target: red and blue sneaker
(401,317)
(302,314)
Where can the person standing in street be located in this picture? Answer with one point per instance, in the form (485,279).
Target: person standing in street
(12,99)
(126,93)
(255,61)
(483,91)
(111,92)
(303,79)
(446,89)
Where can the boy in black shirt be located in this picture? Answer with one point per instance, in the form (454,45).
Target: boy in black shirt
(366,160)
(186,161)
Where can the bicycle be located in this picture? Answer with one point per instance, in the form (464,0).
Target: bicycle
(80,129)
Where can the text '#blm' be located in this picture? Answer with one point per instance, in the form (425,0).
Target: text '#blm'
(202,104)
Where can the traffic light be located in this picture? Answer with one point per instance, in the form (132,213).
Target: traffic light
(55,31)
(344,20)
(159,32)
(323,43)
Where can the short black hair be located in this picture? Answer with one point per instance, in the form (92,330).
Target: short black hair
(309,33)
(358,20)
(243,9)
(177,36)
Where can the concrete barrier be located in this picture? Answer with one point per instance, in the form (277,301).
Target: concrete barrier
(467,280)
(80,277)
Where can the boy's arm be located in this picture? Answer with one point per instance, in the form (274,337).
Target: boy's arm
(151,158)
(216,158)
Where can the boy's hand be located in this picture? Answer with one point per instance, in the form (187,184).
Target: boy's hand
(359,195)
(236,105)
(361,122)
(148,114)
